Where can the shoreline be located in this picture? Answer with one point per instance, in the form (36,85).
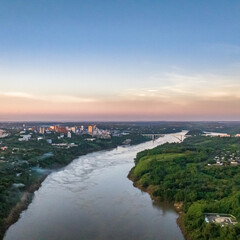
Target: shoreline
(28,194)
(177,206)
(25,200)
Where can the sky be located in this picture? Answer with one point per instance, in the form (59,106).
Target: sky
(119,60)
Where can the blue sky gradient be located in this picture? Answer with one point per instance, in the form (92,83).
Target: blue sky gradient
(118,51)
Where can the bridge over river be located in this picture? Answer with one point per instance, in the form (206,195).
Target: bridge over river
(154,136)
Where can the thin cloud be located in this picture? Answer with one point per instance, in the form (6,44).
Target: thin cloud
(17,95)
(51,98)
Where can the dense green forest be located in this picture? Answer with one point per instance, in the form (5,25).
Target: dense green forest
(26,163)
(190,172)
(195,132)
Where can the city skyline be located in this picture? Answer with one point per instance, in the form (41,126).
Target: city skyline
(119,60)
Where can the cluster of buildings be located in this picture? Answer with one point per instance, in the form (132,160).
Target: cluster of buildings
(3,133)
(24,137)
(65,145)
(221,219)
(96,132)
(4,148)
(227,158)
(67,131)
(55,128)
(64,131)
(60,129)
(221,135)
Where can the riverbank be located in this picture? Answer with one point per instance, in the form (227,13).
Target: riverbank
(75,202)
(157,200)
(187,173)
(22,205)
(27,196)
(23,201)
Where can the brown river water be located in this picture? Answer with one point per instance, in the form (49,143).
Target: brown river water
(92,199)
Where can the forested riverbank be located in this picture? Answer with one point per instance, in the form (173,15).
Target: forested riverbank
(202,175)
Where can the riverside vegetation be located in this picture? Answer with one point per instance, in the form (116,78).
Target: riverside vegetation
(183,173)
(24,165)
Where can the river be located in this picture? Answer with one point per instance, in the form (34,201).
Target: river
(92,199)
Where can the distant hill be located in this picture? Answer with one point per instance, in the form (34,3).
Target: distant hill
(195,132)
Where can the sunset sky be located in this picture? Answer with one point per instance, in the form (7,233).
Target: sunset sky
(119,60)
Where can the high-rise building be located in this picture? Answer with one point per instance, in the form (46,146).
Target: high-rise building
(60,129)
(90,129)
(69,135)
(34,129)
(73,129)
(42,130)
